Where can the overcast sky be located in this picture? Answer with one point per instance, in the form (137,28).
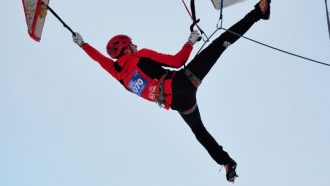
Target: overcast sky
(64,121)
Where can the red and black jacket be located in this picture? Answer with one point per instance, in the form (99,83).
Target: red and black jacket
(142,71)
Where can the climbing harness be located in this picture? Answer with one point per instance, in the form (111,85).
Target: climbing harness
(159,92)
(192,77)
(191,110)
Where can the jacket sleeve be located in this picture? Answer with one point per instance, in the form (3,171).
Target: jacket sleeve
(175,61)
(106,63)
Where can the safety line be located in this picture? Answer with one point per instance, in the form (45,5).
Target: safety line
(328,19)
(185,5)
(274,48)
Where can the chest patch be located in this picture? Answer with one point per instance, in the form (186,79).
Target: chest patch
(137,83)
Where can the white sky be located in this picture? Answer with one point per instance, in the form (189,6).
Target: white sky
(64,121)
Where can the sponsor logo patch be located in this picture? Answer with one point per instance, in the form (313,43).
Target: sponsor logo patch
(137,83)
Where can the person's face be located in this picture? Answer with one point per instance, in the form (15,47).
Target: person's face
(133,47)
(130,49)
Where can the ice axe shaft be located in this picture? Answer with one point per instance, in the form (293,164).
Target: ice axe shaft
(58,17)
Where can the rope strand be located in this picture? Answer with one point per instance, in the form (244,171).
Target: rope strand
(274,48)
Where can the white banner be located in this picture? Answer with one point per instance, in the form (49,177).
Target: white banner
(226,3)
(35,14)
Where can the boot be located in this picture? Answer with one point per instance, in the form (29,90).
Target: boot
(263,7)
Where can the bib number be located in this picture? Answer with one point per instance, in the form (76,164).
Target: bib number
(137,83)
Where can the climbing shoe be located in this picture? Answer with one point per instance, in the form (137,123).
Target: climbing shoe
(263,7)
(231,171)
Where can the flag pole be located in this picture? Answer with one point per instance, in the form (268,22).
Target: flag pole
(58,17)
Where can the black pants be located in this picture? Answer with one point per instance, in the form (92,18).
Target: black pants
(184,92)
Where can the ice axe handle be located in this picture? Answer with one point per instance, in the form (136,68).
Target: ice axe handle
(194,24)
(58,17)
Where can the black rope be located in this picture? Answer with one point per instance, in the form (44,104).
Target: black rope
(327,12)
(274,48)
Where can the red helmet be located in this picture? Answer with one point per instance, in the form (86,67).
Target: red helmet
(117,44)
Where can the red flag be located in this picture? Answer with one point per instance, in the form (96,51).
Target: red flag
(35,14)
